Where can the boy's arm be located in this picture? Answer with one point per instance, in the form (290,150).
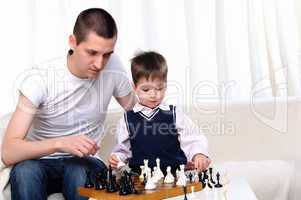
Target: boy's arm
(192,141)
(122,149)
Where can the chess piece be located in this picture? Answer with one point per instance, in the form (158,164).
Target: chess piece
(182,177)
(141,177)
(185,192)
(144,179)
(159,172)
(89,183)
(169,178)
(211,176)
(131,183)
(190,177)
(150,185)
(123,188)
(112,186)
(218,185)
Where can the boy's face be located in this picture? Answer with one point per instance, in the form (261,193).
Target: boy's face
(150,91)
(91,55)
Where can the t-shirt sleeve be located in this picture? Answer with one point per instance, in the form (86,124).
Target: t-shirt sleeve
(121,79)
(33,87)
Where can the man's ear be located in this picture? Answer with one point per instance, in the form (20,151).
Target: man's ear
(72,41)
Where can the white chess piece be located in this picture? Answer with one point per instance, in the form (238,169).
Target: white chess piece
(141,177)
(159,172)
(146,168)
(150,185)
(182,177)
(155,175)
(169,178)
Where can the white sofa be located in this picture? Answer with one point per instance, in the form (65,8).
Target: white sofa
(255,140)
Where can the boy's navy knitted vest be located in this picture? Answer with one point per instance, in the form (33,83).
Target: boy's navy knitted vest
(154,137)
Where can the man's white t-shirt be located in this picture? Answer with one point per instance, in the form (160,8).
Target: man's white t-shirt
(68,105)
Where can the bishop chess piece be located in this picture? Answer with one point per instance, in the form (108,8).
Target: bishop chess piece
(218,185)
(89,182)
(159,172)
(211,176)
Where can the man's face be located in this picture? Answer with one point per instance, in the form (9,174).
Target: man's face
(91,55)
(150,92)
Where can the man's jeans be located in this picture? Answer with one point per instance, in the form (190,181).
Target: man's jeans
(36,179)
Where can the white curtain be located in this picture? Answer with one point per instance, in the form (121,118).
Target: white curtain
(222,49)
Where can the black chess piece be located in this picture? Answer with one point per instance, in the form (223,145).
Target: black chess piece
(131,183)
(218,185)
(190,177)
(211,176)
(185,192)
(123,188)
(111,186)
(144,179)
(89,182)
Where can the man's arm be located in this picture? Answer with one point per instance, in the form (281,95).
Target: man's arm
(128,101)
(15,148)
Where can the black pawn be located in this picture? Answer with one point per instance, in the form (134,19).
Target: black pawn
(218,185)
(89,183)
(190,177)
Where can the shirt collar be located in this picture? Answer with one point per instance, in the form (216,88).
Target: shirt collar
(138,107)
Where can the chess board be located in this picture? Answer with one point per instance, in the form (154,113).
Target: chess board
(163,191)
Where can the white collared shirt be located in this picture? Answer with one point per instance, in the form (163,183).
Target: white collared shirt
(192,141)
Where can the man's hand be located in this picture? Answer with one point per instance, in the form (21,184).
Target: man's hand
(78,145)
(201,162)
(113,161)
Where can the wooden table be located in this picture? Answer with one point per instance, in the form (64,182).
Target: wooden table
(162,192)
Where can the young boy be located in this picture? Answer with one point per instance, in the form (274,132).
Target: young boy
(154,129)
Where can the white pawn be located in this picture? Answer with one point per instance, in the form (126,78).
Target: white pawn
(146,168)
(150,185)
(159,172)
(141,177)
(169,178)
(182,177)
(155,175)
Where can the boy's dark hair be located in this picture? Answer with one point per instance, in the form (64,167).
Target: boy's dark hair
(97,20)
(148,64)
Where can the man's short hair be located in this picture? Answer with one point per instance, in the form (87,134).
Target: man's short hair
(148,64)
(96,20)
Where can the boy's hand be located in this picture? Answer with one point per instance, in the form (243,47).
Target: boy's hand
(113,161)
(201,162)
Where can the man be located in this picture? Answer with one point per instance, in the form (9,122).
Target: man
(53,135)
